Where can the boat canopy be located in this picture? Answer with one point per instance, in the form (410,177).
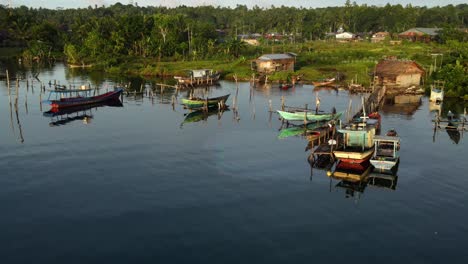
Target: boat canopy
(386,139)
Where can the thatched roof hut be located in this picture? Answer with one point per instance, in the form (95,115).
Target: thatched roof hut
(399,73)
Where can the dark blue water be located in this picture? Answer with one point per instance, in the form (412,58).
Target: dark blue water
(132,185)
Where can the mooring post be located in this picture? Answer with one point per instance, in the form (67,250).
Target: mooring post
(8,79)
(305,115)
(269,104)
(282,103)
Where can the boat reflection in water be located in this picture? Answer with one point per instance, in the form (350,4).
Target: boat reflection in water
(355,178)
(202,115)
(64,116)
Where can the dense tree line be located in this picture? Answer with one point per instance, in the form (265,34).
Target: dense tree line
(109,34)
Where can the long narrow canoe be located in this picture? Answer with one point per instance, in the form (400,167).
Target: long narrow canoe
(200,102)
(309,116)
(82,97)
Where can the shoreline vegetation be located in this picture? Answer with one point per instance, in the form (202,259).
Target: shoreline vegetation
(164,42)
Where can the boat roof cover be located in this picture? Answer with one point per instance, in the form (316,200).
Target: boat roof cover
(387,138)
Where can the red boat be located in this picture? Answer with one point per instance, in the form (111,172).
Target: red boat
(285,86)
(71,98)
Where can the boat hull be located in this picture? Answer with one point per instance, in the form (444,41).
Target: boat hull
(352,156)
(309,116)
(199,103)
(79,101)
(384,164)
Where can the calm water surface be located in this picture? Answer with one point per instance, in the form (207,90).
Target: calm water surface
(134,184)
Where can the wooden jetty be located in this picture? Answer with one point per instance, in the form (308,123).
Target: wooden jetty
(199,77)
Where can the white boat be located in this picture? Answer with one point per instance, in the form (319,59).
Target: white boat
(437,94)
(386,154)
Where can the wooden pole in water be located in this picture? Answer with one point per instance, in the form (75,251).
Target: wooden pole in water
(305,115)
(269,104)
(8,79)
(282,103)
(40,102)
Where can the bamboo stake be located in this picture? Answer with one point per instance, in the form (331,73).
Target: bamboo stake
(8,79)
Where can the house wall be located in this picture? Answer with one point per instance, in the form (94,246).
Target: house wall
(274,65)
(408,80)
(401,81)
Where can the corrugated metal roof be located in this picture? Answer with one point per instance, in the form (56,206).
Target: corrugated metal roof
(276,56)
(426,31)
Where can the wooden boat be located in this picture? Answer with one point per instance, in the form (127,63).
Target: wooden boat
(325,82)
(198,77)
(452,121)
(386,153)
(63,116)
(285,86)
(308,115)
(72,98)
(357,143)
(195,103)
(70,65)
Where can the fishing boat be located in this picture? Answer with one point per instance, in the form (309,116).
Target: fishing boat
(453,121)
(325,82)
(308,115)
(198,77)
(357,142)
(285,86)
(77,97)
(195,103)
(386,152)
(63,116)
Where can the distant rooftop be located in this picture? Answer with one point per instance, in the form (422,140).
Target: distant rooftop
(282,56)
(426,31)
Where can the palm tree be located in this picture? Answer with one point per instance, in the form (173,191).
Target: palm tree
(234,46)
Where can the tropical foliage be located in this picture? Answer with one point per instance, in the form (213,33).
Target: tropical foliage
(119,34)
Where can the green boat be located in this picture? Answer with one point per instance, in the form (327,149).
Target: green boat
(200,102)
(309,116)
(299,130)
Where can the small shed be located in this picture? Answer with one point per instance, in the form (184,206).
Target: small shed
(269,63)
(345,36)
(420,34)
(398,73)
(379,36)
